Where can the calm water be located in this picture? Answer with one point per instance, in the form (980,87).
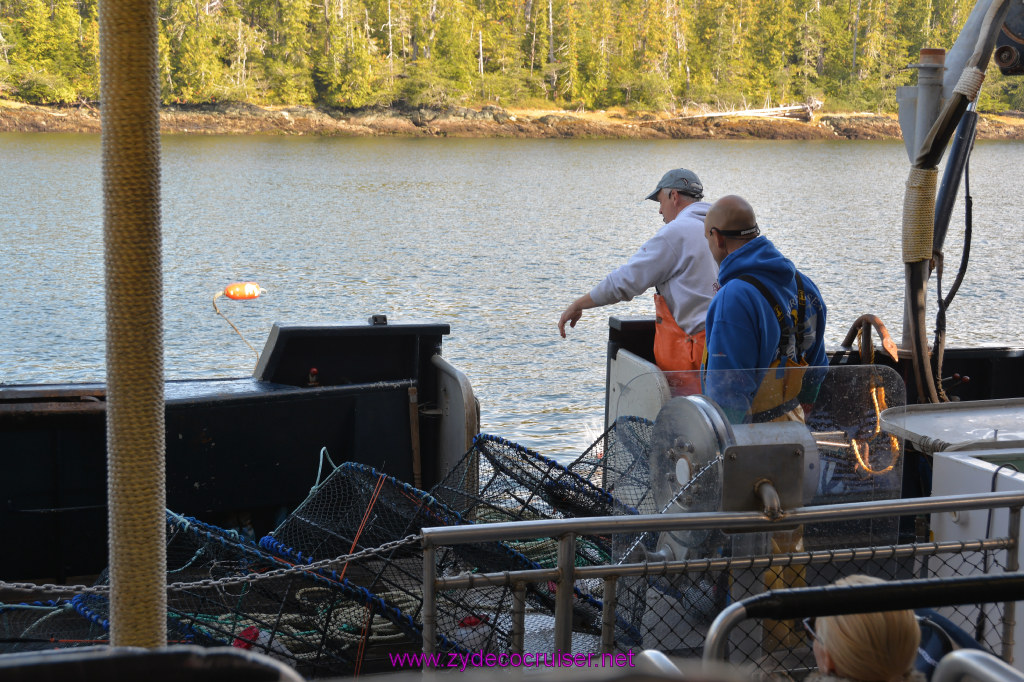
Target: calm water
(495,237)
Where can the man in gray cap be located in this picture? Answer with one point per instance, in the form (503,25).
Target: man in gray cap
(675,261)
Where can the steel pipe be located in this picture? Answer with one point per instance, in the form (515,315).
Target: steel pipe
(656,523)
(1012,566)
(979,665)
(505,578)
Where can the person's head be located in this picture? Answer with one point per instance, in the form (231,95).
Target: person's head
(676,190)
(880,646)
(729,224)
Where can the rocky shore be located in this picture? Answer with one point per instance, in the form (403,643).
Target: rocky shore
(232,118)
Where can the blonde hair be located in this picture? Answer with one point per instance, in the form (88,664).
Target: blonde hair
(870,647)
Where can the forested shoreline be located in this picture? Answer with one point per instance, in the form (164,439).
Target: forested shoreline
(580,55)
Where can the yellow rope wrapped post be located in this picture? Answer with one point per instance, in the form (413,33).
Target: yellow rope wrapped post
(919,214)
(918,237)
(136,491)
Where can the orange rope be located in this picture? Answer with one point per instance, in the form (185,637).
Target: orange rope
(369,613)
(420,504)
(366,517)
(362,642)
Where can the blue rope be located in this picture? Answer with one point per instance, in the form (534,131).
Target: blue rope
(80,605)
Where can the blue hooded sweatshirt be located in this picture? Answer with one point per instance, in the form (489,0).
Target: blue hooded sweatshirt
(743,331)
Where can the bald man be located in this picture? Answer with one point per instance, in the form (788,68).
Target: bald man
(765,315)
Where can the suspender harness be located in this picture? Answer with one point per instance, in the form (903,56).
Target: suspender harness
(777,396)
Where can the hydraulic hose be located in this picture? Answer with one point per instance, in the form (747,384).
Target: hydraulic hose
(963,143)
(940,317)
(917,278)
(956,170)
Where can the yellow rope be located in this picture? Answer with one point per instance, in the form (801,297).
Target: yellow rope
(217,310)
(136,491)
(919,214)
(969,84)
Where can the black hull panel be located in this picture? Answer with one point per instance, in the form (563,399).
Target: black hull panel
(240,452)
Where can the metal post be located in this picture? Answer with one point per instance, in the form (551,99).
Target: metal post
(564,596)
(414,432)
(930,71)
(518,617)
(608,615)
(429,600)
(1012,566)
(929,99)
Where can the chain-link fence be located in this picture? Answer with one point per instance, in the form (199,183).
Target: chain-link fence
(675,609)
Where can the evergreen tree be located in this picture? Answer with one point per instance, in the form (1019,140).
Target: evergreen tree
(768,44)
(198,51)
(288,66)
(46,51)
(453,46)
(594,53)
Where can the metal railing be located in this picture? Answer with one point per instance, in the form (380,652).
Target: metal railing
(978,665)
(565,531)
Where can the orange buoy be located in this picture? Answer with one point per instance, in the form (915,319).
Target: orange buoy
(239,291)
(243,291)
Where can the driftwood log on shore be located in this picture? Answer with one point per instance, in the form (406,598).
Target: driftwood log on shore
(232,118)
(801,112)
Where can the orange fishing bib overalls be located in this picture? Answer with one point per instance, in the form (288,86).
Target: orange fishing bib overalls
(675,350)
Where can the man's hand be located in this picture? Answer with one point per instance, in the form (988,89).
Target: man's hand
(572,315)
(574,312)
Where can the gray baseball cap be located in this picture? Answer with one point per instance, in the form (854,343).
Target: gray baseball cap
(686,181)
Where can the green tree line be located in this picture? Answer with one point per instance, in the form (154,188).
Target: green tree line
(639,54)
